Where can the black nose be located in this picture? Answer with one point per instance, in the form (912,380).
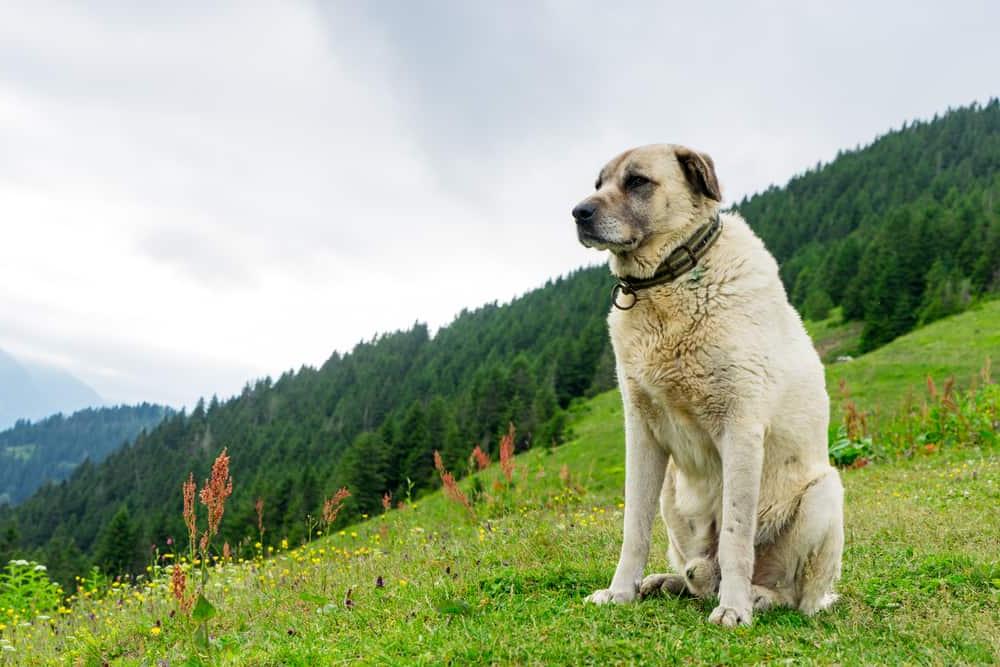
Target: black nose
(584,211)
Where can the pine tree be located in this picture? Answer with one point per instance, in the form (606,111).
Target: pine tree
(118,548)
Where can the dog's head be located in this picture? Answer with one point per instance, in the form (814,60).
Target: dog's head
(645,194)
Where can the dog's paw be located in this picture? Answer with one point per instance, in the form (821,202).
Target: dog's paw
(730,617)
(661,584)
(609,596)
(763,599)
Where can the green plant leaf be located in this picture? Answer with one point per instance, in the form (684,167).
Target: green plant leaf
(313,599)
(203,610)
(454,607)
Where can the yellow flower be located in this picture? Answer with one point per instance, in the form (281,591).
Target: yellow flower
(284,544)
(402,582)
(155,631)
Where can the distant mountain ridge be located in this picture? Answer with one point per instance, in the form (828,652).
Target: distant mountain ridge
(32,391)
(33,453)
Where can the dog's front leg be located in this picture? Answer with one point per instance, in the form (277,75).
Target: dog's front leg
(645,465)
(742,453)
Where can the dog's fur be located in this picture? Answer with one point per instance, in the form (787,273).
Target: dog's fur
(726,410)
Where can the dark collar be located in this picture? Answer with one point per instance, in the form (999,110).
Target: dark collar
(684,258)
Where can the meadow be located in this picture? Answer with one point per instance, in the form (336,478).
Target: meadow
(495,570)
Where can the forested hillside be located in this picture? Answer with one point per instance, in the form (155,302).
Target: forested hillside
(899,233)
(903,231)
(32,453)
(369,420)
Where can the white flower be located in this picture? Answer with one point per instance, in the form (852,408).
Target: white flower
(43,617)
(40,568)
(19,562)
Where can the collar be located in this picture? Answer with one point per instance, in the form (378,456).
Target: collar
(683,258)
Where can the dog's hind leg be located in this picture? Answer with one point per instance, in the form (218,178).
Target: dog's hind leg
(662,584)
(820,532)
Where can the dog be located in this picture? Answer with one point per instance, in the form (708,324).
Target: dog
(726,410)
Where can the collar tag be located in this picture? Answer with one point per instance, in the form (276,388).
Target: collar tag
(621,287)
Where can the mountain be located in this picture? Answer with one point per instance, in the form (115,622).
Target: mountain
(899,233)
(33,391)
(911,219)
(32,453)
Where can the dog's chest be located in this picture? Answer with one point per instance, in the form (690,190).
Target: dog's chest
(666,370)
(667,387)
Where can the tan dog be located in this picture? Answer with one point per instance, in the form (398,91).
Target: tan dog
(726,410)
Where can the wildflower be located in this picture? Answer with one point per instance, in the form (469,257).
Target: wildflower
(284,543)
(40,568)
(155,631)
(507,454)
(189,508)
(387,501)
(451,489)
(217,489)
(259,506)
(480,458)
(227,553)
(333,505)
(178,587)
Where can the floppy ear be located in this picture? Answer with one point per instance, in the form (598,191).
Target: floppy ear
(700,172)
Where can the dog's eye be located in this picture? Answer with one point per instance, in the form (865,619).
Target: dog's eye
(635,181)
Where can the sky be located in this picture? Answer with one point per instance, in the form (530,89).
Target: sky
(198,195)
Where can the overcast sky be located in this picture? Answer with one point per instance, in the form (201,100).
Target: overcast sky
(196,196)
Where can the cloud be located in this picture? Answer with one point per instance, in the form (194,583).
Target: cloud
(195,195)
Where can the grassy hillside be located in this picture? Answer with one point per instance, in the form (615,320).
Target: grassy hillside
(892,376)
(431,584)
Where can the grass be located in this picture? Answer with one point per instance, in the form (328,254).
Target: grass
(424,585)
(889,378)
(833,337)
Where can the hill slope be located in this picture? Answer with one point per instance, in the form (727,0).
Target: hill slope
(958,347)
(31,391)
(371,419)
(429,585)
(32,453)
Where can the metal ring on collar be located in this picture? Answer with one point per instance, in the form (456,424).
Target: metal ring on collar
(622,288)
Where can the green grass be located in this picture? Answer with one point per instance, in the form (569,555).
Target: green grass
(833,337)
(19,452)
(893,376)
(921,581)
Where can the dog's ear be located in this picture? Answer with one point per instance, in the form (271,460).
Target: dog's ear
(700,172)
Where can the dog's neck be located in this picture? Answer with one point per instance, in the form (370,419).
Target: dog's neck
(643,262)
